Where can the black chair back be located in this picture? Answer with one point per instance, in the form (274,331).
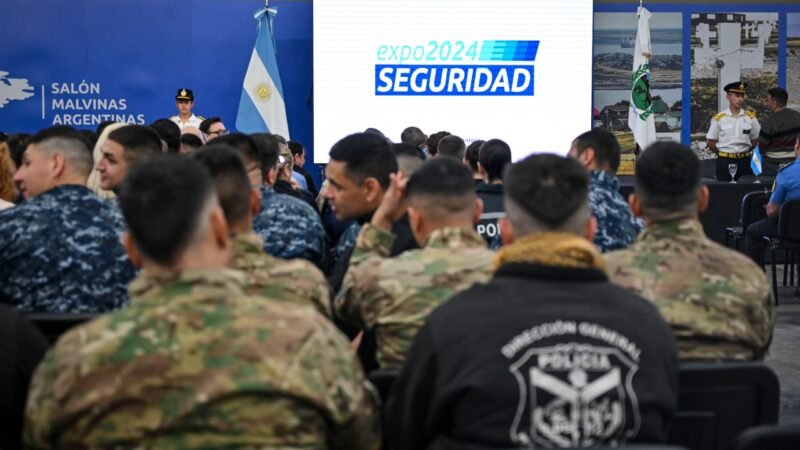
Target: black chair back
(53,325)
(717,401)
(753,208)
(383,379)
(789,221)
(770,437)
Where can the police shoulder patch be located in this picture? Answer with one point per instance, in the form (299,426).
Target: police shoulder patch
(719,116)
(750,114)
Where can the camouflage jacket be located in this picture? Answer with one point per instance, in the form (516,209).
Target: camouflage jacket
(61,252)
(718,302)
(395,295)
(616,226)
(193,363)
(295,280)
(290,228)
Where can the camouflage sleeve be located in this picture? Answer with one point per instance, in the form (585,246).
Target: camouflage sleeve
(763,320)
(329,371)
(361,291)
(302,279)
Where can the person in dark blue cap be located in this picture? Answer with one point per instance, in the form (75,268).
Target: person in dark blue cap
(733,134)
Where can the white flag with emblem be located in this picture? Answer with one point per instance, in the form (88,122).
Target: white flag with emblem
(640,113)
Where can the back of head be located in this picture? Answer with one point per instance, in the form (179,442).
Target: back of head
(190,141)
(472,152)
(138,141)
(667,179)
(269,146)
(69,143)
(441,189)
(230,180)
(366,156)
(433,142)
(242,143)
(296,148)
(89,136)
(206,124)
(409,157)
(413,136)
(169,132)
(605,146)
(547,193)
(163,200)
(494,155)
(452,146)
(780,95)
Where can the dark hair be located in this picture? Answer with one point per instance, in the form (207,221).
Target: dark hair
(269,146)
(191,140)
(452,146)
(138,141)
(242,143)
(605,146)
(413,136)
(16,146)
(471,154)
(74,147)
(169,132)
(407,150)
(88,136)
(667,177)
(296,148)
(162,199)
(206,124)
(230,179)
(376,132)
(366,156)
(102,126)
(441,177)
(433,142)
(57,131)
(780,95)
(3,137)
(548,188)
(494,155)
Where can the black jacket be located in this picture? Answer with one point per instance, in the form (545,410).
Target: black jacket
(541,355)
(493,209)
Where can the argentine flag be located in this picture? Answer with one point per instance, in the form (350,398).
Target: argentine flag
(261,107)
(755,161)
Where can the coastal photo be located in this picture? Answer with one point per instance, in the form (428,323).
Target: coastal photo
(614,36)
(728,47)
(793,59)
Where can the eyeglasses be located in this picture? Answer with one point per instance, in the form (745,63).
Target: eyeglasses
(221,132)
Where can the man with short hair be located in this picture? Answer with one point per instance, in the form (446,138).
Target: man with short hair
(169,133)
(598,151)
(295,280)
(778,133)
(213,128)
(393,296)
(409,158)
(718,302)
(358,176)
(493,157)
(60,251)
(733,134)
(184,101)
(124,147)
(471,155)
(452,146)
(506,363)
(415,137)
(194,362)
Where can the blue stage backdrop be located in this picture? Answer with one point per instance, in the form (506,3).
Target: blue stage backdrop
(80,62)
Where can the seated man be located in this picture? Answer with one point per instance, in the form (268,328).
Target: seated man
(548,353)
(598,151)
(296,280)
(124,147)
(61,251)
(395,295)
(194,362)
(493,157)
(718,302)
(787,187)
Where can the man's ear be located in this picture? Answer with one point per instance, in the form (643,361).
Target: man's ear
(219,228)
(587,157)
(372,189)
(255,202)
(591,229)
(476,217)
(130,248)
(271,176)
(705,196)
(57,164)
(506,231)
(414,220)
(636,207)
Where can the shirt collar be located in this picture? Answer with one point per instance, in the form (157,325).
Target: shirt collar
(679,229)
(455,238)
(605,179)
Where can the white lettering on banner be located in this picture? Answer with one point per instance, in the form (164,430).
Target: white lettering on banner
(94,110)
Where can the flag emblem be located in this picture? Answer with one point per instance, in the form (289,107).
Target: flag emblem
(263,92)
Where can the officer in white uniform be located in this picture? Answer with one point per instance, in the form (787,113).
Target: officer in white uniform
(733,134)
(184,100)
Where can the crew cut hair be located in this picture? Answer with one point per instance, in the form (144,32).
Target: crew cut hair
(452,146)
(366,156)
(230,179)
(65,140)
(138,141)
(667,178)
(441,178)
(162,199)
(494,155)
(605,146)
(780,95)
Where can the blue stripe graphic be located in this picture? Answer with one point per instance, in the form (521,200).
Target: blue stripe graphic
(509,50)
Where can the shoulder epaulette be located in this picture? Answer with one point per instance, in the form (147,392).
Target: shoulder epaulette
(719,116)
(750,114)
(784,167)
(201,117)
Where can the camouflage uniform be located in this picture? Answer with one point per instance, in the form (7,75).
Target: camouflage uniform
(295,280)
(616,226)
(395,295)
(115,215)
(718,302)
(290,228)
(61,252)
(193,363)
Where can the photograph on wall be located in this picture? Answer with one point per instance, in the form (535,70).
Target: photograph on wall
(728,47)
(793,59)
(614,39)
